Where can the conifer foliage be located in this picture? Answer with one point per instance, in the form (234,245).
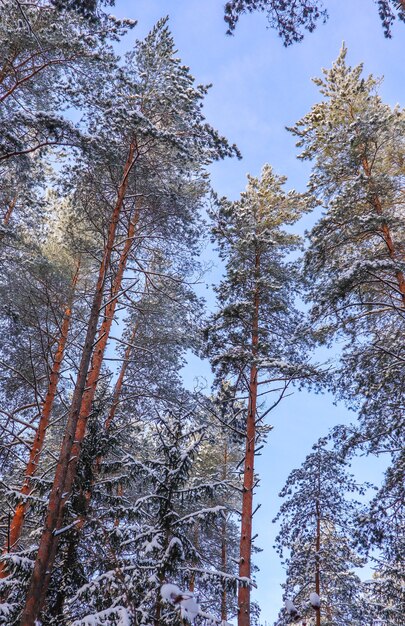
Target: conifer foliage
(253,339)
(126,499)
(316,538)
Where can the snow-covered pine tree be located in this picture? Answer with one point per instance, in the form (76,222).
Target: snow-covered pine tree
(355,259)
(146,126)
(355,263)
(316,538)
(252,340)
(44,48)
(380,534)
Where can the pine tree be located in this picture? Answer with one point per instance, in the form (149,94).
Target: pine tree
(316,534)
(355,261)
(252,339)
(290,18)
(147,127)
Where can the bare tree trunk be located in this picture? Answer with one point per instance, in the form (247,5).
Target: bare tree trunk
(248,474)
(98,357)
(120,379)
(17,522)
(96,468)
(58,496)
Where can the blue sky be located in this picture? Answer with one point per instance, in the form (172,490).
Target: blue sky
(259,87)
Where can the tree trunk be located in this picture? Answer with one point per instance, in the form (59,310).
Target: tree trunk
(96,468)
(317,550)
(385,231)
(224,603)
(17,522)
(91,387)
(248,473)
(120,379)
(58,497)
(98,357)
(224,607)
(9,211)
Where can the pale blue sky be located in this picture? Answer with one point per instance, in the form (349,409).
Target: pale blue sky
(259,87)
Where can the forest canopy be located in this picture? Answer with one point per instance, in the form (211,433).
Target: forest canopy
(128,494)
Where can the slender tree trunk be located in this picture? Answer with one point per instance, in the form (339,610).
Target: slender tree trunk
(196,538)
(224,607)
(58,496)
(318,550)
(385,231)
(248,474)
(120,379)
(98,357)
(96,468)
(9,211)
(17,522)
(89,393)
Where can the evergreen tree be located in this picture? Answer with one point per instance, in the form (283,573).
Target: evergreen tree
(355,261)
(253,339)
(147,128)
(291,17)
(316,535)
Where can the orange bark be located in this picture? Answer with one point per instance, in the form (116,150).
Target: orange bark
(91,386)
(120,379)
(317,563)
(17,522)
(9,211)
(98,356)
(248,474)
(47,551)
(224,607)
(385,231)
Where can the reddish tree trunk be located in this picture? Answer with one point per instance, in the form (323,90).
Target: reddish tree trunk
(224,607)
(317,557)
(36,449)
(120,379)
(96,469)
(89,393)
(385,231)
(9,211)
(98,356)
(248,474)
(46,550)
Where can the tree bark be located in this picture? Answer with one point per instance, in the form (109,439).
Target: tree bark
(46,551)
(17,522)
(224,603)
(96,468)
(386,234)
(9,211)
(248,473)
(317,551)
(90,391)
(120,380)
(98,357)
